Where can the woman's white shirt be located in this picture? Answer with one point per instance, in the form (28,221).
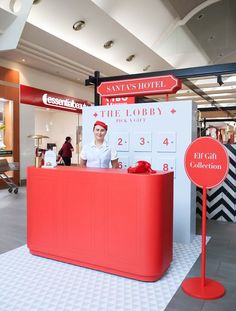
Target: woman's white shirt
(98,156)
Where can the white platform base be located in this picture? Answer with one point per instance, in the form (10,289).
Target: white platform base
(33,283)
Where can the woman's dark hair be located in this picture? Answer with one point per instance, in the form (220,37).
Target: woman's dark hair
(68,138)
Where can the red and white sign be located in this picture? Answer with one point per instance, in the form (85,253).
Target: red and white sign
(206,162)
(46,99)
(117,100)
(144,86)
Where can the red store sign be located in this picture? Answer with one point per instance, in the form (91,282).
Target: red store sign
(36,97)
(146,86)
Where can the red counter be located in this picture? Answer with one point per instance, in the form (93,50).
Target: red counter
(104,219)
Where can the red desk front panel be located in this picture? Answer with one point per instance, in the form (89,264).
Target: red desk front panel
(104,219)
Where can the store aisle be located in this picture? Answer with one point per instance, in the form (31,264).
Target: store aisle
(12,219)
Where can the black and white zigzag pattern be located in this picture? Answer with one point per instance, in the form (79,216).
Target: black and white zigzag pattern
(221,200)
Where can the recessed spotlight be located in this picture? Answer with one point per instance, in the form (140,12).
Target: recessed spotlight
(219,80)
(212,37)
(108,44)
(78,25)
(200,16)
(15,5)
(146,68)
(3,99)
(130,58)
(23,60)
(36,1)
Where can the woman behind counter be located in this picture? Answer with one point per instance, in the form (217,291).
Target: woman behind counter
(98,153)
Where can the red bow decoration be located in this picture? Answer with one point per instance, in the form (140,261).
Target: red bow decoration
(141,167)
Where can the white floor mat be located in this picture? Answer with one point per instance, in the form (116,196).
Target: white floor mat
(31,283)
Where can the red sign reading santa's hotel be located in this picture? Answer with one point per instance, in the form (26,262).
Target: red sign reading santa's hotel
(144,86)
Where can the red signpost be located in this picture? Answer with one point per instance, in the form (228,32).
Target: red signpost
(144,86)
(206,164)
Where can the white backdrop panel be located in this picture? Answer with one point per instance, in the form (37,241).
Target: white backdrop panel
(160,134)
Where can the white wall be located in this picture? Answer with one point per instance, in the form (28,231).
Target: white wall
(57,125)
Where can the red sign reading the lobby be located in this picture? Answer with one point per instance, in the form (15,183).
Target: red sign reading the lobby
(46,99)
(144,86)
(206,162)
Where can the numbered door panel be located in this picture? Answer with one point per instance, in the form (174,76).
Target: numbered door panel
(165,142)
(120,141)
(164,164)
(142,141)
(123,162)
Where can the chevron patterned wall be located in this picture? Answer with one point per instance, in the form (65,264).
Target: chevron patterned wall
(221,200)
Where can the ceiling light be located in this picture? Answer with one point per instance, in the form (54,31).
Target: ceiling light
(130,58)
(15,5)
(78,25)
(212,37)
(218,88)
(36,1)
(146,68)
(186,97)
(200,16)
(221,94)
(108,44)
(219,80)
(3,99)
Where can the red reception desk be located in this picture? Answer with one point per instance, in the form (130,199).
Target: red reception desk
(104,219)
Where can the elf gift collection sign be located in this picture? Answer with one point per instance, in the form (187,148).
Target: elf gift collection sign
(206,162)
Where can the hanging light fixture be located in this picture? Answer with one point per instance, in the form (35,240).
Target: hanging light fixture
(108,44)
(130,58)
(15,5)
(78,25)
(146,68)
(219,80)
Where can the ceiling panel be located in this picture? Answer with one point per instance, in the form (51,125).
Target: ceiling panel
(162,35)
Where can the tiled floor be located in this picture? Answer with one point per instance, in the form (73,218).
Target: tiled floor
(221,254)
(220,266)
(12,219)
(35,283)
